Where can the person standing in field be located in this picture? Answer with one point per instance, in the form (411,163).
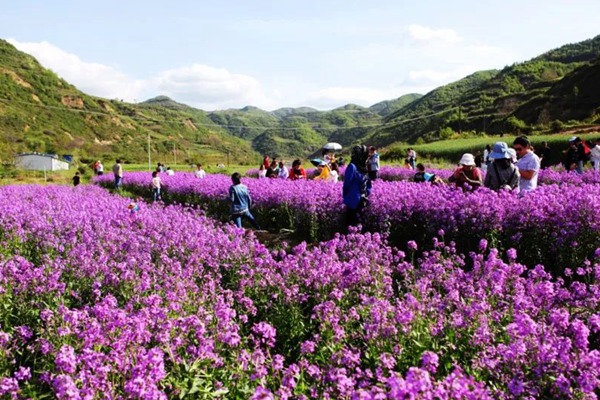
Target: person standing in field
(373,163)
(545,155)
(118,172)
(412,158)
(595,155)
(99,168)
(266,162)
(334,174)
(76,179)
(155,186)
(241,202)
(357,186)
(528,164)
(199,172)
(486,157)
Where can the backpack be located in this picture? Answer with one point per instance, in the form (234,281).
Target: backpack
(586,151)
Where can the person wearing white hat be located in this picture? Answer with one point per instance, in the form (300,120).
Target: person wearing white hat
(467,176)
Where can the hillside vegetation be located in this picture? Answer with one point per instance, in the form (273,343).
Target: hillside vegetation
(41,112)
(543,94)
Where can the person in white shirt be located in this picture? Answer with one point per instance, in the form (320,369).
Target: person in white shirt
(411,156)
(595,155)
(528,164)
(155,186)
(284,172)
(334,174)
(199,172)
(262,172)
(170,172)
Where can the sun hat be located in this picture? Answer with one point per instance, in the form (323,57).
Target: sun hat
(499,151)
(513,154)
(467,159)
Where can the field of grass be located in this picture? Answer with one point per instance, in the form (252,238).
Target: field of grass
(451,150)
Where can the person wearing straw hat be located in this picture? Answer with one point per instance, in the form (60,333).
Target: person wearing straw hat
(467,176)
(502,173)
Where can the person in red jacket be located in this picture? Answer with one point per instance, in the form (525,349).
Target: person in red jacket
(297,172)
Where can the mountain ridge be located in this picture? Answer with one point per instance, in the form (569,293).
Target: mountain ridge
(40,111)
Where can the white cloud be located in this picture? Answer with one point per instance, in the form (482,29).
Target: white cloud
(421,33)
(334,97)
(437,78)
(209,88)
(92,78)
(201,86)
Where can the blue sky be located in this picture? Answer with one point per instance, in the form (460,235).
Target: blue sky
(272,54)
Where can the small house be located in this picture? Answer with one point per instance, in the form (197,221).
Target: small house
(41,162)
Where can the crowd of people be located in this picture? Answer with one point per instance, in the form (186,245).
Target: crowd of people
(508,168)
(514,169)
(327,169)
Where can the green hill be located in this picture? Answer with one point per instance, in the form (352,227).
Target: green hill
(41,112)
(387,107)
(519,98)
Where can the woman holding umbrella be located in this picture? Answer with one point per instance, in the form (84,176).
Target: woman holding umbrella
(357,186)
(329,152)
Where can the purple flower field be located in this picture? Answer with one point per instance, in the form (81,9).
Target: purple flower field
(556,225)
(101,302)
(547,176)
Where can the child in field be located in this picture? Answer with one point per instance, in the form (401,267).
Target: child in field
(241,202)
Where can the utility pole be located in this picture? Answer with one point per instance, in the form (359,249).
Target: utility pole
(149,160)
(460,119)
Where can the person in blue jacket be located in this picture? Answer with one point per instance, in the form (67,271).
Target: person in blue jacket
(241,202)
(357,186)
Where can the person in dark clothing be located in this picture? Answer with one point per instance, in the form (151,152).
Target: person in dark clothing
(571,158)
(357,185)
(502,174)
(422,176)
(76,179)
(478,159)
(272,171)
(545,155)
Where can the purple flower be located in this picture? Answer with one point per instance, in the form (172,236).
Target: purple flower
(23,374)
(66,360)
(516,387)
(430,361)
(307,347)
(511,254)
(262,394)
(483,244)
(266,333)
